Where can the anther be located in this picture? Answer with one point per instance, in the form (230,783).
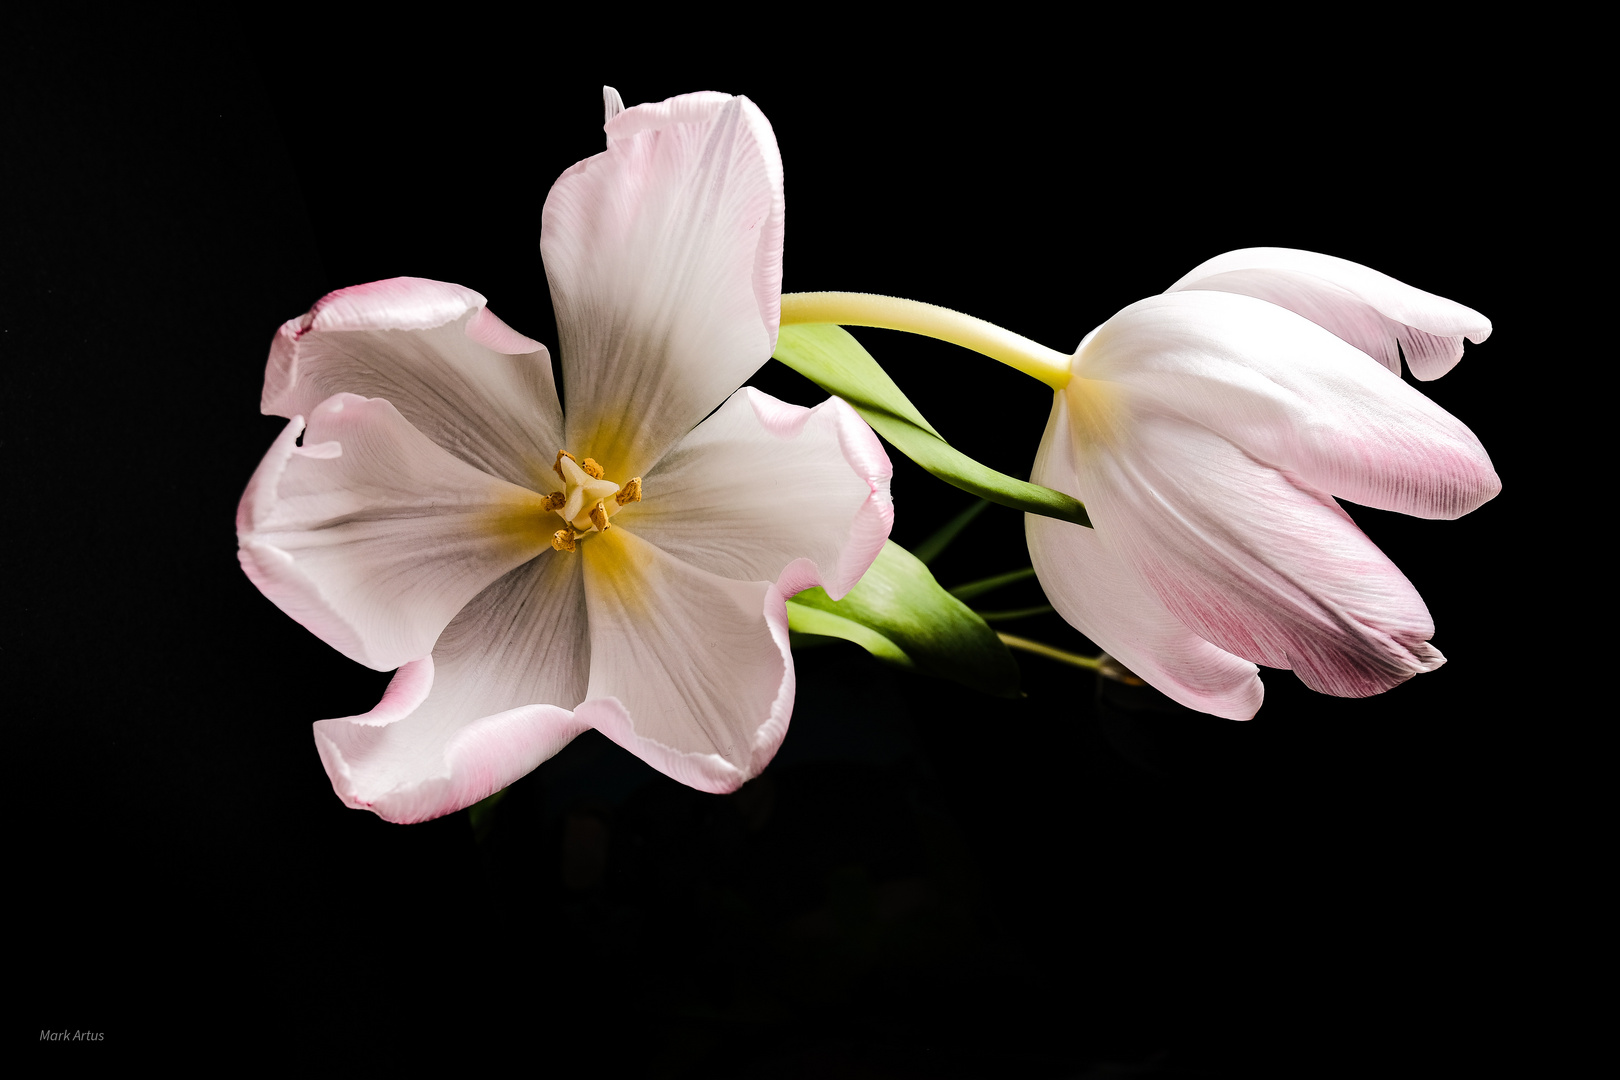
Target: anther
(556,501)
(630,493)
(592,469)
(557,465)
(599,516)
(563,540)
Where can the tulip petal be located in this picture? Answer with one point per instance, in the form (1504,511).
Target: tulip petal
(1093,586)
(373,537)
(461,376)
(1370,310)
(761,484)
(1292,395)
(697,665)
(664,255)
(1256,562)
(465,722)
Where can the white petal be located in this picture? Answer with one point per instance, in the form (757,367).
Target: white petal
(697,666)
(488,706)
(1096,590)
(1292,395)
(664,255)
(1255,562)
(372,536)
(761,484)
(1370,310)
(462,377)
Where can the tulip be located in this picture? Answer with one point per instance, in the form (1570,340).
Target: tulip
(1208,430)
(430,508)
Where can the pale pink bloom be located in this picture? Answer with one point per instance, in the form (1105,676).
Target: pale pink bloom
(1208,431)
(410,527)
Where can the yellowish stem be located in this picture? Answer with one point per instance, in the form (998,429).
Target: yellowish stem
(1091,663)
(892,313)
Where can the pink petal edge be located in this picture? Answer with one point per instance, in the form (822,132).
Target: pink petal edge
(479,760)
(1293,395)
(492,752)
(462,377)
(707,771)
(873,521)
(1366,308)
(403,303)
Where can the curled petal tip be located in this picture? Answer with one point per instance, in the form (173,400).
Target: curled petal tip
(1378,314)
(474,386)
(406,773)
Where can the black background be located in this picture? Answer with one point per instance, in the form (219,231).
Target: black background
(925,882)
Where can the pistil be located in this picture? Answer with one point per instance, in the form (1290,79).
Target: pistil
(588,499)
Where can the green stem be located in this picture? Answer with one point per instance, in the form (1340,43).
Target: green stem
(892,313)
(1090,663)
(1015,613)
(990,584)
(929,549)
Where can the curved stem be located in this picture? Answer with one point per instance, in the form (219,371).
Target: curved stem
(990,584)
(892,313)
(1014,613)
(1091,663)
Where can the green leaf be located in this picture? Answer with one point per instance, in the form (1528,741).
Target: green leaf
(816,623)
(832,359)
(901,615)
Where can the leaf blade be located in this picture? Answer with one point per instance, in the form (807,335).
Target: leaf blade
(901,615)
(830,357)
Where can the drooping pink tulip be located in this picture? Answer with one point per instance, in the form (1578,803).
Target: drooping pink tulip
(533,575)
(1208,431)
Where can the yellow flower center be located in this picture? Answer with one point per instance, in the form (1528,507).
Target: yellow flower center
(587,500)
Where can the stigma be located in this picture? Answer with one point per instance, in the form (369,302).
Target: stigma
(588,499)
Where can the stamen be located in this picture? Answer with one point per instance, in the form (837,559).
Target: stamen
(582,504)
(557,465)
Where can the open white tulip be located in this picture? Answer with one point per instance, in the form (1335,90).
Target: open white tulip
(532,575)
